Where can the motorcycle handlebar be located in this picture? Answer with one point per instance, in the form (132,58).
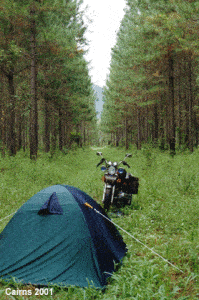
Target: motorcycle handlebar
(104,160)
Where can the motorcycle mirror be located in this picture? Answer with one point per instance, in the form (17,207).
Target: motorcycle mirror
(99,153)
(128,155)
(125,164)
(101,161)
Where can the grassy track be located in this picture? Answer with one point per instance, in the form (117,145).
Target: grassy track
(164,216)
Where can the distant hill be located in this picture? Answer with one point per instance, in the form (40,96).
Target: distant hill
(99,94)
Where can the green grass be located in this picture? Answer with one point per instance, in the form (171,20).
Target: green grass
(164,216)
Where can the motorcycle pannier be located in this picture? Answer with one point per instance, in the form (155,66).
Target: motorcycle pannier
(133,184)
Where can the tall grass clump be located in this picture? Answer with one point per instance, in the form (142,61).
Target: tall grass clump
(164,216)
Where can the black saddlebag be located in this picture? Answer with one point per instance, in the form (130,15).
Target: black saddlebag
(133,184)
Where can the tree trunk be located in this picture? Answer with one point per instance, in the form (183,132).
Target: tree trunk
(3,138)
(179,110)
(19,137)
(84,134)
(190,106)
(117,137)
(155,127)
(126,134)
(139,129)
(46,125)
(147,125)
(24,133)
(53,134)
(196,128)
(172,107)
(186,102)
(33,110)
(11,120)
(161,129)
(61,130)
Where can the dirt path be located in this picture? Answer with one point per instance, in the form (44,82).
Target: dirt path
(98,148)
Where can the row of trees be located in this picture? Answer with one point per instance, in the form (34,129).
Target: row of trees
(46,98)
(152,90)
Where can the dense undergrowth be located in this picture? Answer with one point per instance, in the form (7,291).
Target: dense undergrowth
(164,216)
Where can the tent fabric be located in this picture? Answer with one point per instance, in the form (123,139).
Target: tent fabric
(106,238)
(55,239)
(51,206)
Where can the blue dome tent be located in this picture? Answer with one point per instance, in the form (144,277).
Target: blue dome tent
(55,238)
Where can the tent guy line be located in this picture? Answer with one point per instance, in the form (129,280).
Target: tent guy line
(88,205)
(8,216)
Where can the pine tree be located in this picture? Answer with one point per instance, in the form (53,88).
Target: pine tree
(50,76)
(154,38)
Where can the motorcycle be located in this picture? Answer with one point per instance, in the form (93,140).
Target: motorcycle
(119,185)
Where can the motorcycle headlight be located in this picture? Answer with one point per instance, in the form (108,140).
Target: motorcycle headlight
(103,168)
(111,170)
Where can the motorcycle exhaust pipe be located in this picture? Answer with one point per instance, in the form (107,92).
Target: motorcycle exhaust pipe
(104,193)
(112,196)
(106,186)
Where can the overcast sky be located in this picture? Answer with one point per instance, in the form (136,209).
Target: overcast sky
(106,16)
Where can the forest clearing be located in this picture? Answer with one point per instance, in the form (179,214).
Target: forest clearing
(164,216)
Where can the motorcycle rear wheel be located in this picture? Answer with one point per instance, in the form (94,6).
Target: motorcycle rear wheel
(107,198)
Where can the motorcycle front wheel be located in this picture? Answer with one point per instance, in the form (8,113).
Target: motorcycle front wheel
(107,198)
